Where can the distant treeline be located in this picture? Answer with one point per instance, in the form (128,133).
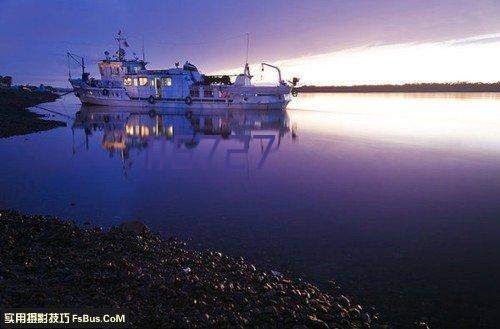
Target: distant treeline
(406,88)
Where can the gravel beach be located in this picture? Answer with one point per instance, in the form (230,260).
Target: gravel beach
(49,262)
(16,119)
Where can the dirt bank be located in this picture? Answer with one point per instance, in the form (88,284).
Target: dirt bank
(16,119)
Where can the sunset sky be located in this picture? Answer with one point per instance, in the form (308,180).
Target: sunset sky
(323,42)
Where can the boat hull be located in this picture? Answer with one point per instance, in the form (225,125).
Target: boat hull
(165,104)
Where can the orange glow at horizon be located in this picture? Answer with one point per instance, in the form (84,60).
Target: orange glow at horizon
(473,59)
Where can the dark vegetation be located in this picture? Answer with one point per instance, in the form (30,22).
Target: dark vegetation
(406,88)
(16,119)
(49,262)
(5,81)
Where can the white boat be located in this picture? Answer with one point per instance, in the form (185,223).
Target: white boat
(127,82)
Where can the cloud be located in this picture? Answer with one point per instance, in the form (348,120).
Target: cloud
(467,59)
(484,38)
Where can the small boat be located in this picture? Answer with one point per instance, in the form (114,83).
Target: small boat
(127,82)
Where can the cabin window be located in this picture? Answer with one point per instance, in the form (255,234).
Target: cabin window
(208,93)
(166,81)
(143,81)
(127,81)
(194,92)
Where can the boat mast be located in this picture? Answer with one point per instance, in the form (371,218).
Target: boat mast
(80,62)
(121,52)
(247,68)
(248,43)
(143,55)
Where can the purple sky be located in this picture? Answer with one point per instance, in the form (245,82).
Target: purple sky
(35,35)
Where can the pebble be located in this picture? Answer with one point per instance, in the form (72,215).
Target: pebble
(154,279)
(316,323)
(354,312)
(276,273)
(343,301)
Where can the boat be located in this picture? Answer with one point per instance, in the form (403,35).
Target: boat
(128,83)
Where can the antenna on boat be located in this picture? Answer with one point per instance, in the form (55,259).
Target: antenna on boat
(69,65)
(121,51)
(248,44)
(246,71)
(143,55)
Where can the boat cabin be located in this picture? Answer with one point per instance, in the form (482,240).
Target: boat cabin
(173,84)
(158,83)
(115,70)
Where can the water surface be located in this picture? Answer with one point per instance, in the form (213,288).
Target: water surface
(393,196)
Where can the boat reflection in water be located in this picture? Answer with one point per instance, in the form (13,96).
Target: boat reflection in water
(225,132)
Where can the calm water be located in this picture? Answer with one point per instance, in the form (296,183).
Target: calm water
(394,196)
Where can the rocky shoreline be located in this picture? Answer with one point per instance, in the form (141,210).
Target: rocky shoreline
(16,119)
(50,262)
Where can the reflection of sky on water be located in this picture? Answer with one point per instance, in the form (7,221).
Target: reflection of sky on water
(448,122)
(393,195)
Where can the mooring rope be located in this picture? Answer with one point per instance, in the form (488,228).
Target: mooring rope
(55,112)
